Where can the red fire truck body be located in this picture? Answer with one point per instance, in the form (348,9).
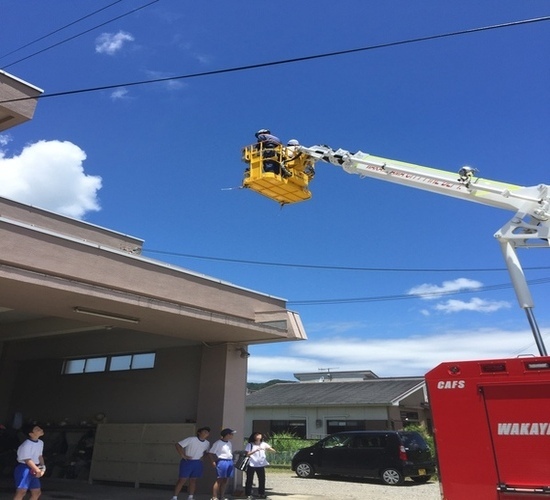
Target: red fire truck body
(492,428)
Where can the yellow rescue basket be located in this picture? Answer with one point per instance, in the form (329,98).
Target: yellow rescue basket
(280,173)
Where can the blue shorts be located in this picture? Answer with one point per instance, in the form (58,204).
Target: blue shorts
(190,468)
(224,468)
(24,479)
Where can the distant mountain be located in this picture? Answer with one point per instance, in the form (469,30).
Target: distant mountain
(253,386)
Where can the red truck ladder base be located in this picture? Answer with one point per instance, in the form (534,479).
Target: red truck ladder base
(492,428)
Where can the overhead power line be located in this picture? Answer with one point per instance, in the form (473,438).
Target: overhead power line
(339,268)
(378,298)
(76,21)
(76,36)
(287,61)
(387,298)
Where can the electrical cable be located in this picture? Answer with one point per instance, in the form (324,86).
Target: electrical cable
(58,30)
(76,36)
(340,268)
(284,61)
(388,298)
(369,269)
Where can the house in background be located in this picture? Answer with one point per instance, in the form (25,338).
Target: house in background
(329,375)
(321,404)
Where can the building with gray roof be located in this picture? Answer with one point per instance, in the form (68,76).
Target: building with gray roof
(314,409)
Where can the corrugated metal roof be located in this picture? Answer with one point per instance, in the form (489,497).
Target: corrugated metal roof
(369,392)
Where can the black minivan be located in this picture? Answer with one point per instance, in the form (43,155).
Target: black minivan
(387,455)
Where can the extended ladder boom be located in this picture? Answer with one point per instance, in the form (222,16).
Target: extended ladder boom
(528,228)
(464,185)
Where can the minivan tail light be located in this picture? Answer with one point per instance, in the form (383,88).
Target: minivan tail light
(403,453)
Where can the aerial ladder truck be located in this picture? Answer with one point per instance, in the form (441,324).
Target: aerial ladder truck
(491,417)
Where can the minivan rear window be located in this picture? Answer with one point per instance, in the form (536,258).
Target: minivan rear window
(414,441)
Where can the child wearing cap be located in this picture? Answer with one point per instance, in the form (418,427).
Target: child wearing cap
(222,458)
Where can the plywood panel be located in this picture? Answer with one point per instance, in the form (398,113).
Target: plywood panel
(137,452)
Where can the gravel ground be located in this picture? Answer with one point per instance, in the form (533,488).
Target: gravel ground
(281,485)
(284,483)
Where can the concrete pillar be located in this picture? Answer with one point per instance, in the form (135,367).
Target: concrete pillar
(221,401)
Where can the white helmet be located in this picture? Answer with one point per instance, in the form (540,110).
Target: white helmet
(293,142)
(262,131)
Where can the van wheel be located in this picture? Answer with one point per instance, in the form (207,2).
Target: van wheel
(392,477)
(421,479)
(305,470)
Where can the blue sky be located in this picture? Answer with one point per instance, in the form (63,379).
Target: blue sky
(162,161)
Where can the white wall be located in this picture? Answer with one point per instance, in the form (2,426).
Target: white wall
(313,414)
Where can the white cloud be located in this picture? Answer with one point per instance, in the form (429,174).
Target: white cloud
(111,43)
(119,94)
(413,355)
(430,291)
(475,304)
(4,140)
(50,175)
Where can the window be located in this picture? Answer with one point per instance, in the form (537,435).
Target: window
(123,362)
(345,425)
(376,441)
(142,361)
(74,366)
(95,365)
(270,427)
(88,365)
(119,363)
(296,427)
(413,441)
(338,441)
(409,417)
